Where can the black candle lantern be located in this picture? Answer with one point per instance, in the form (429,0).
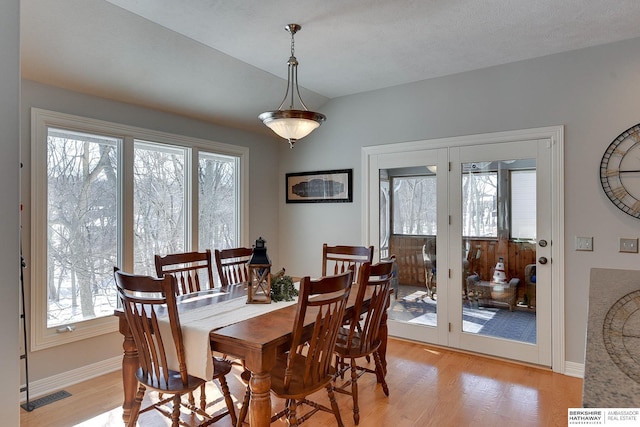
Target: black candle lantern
(259,267)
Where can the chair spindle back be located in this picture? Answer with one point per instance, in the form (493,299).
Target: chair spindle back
(338,259)
(193,270)
(232,265)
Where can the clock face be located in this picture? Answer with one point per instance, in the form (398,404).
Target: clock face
(620,171)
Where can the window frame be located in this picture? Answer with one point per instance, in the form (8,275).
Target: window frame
(43,337)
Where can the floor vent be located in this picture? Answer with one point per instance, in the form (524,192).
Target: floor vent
(45,400)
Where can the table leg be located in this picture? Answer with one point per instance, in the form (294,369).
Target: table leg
(260,403)
(129,366)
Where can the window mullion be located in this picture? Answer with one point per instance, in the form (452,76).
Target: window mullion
(125,231)
(191,200)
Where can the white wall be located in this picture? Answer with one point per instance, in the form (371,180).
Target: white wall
(9,209)
(594,92)
(263,167)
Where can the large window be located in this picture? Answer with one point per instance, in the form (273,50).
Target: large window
(106,195)
(218,201)
(82,225)
(160,209)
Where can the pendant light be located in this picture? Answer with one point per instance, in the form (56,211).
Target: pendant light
(292,124)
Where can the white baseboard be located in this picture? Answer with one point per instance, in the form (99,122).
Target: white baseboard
(57,382)
(574,369)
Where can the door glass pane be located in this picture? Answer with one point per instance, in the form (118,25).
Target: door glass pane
(408,220)
(218,202)
(499,223)
(82,225)
(159,203)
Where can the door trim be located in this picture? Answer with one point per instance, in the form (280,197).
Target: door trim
(555,134)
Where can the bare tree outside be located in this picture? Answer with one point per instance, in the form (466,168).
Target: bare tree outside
(414,205)
(479,203)
(83,215)
(218,196)
(159,203)
(82,225)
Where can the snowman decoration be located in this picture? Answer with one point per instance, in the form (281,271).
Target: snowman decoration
(499,280)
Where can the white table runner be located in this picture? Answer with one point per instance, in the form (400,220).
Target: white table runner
(198,323)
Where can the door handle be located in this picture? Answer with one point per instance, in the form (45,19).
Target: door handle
(543,260)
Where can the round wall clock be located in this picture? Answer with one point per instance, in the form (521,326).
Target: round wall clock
(620,171)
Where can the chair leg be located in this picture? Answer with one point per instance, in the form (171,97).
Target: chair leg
(291,413)
(244,408)
(339,367)
(334,405)
(354,391)
(203,397)
(175,414)
(228,400)
(135,410)
(380,373)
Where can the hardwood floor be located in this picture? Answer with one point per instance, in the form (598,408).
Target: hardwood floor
(429,386)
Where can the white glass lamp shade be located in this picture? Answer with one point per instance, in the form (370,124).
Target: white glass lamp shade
(292,124)
(292,128)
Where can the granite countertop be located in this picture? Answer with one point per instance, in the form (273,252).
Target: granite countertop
(612,363)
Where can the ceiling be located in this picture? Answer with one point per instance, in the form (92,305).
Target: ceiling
(225,61)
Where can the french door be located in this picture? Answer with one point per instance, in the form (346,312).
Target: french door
(475,246)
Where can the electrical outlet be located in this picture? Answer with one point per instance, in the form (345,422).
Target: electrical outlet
(584,243)
(629,245)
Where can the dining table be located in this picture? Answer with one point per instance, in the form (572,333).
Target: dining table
(255,338)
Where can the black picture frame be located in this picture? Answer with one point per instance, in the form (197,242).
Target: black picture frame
(329,186)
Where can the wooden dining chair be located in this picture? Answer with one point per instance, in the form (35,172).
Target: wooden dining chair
(193,270)
(232,265)
(362,336)
(307,366)
(338,259)
(189,269)
(142,298)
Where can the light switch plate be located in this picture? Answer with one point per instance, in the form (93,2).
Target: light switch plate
(584,243)
(628,245)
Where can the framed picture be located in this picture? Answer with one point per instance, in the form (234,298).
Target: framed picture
(332,186)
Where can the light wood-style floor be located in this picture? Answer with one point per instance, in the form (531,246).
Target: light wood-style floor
(429,386)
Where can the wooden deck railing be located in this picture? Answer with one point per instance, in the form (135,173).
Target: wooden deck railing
(412,252)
